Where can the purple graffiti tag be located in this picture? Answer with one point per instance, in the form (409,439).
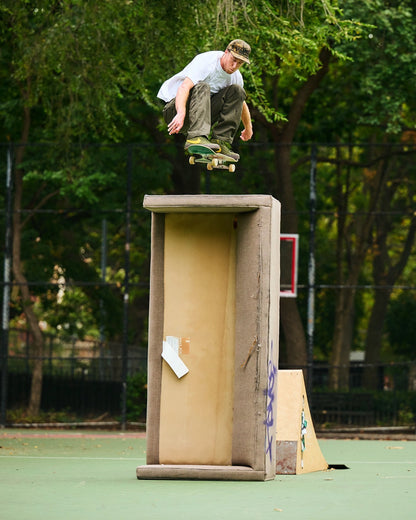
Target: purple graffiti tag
(269,422)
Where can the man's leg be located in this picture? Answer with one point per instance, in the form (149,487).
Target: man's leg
(197,124)
(199,111)
(226,109)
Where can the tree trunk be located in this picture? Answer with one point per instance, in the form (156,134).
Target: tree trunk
(412,378)
(384,273)
(341,344)
(20,279)
(292,326)
(344,316)
(186,178)
(374,338)
(294,333)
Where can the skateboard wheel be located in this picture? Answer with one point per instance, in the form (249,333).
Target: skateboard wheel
(215,162)
(231,168)
(210,167)
(192,160)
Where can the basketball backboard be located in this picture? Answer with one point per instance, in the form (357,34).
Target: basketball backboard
(288,265)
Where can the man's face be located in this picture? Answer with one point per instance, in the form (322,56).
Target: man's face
(229,63)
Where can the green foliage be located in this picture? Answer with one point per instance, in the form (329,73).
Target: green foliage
(373,92)
(136,396)
(286,38)
(401,327)
(399,405)
(89,72)
(83,62)
(19,416)
(72,315)
(75,61)
(386,408)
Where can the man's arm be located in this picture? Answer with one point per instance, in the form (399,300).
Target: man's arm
(180,103)
(247,133)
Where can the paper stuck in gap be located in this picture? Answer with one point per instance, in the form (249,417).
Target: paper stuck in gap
(170,353)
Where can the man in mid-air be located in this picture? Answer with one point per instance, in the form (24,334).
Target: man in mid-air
(206,100)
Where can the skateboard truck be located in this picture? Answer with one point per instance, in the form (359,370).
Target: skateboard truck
(213,160)
(214,163)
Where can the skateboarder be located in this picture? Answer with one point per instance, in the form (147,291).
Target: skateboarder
(206,100)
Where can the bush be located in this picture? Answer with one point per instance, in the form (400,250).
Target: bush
(136,397)
(398,408)
(19,416)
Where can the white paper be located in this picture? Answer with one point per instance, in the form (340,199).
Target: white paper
(174,343)
(173,360)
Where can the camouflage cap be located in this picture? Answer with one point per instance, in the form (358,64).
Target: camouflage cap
(240,50)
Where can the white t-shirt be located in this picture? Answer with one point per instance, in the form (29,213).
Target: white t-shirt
(204,67)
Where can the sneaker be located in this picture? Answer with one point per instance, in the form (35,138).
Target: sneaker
(225,149)
(202,141)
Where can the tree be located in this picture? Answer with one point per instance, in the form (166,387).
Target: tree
(391,44)
(67,67)
(76,70)
(295,44)
(368,99)
(364,206)
(389,255)
(401,330)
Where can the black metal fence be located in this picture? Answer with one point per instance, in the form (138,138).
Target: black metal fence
(85,381)
(81,378)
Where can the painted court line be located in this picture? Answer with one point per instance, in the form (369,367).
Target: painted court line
(381,462)
(401,477)
(59,435)
(40,457)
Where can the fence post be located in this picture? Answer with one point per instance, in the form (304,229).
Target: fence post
(4,344)
(102,310)
(311,270)
(126,288)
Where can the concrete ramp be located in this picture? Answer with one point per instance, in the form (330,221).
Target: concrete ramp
(297,448)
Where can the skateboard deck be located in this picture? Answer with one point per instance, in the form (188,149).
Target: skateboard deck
(203,154)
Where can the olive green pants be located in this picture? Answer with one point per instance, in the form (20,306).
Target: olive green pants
(217,116)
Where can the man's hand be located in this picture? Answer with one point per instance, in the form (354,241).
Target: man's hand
(247,133)
(174,127)
(176,124)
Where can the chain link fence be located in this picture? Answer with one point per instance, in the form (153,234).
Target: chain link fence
(95,249)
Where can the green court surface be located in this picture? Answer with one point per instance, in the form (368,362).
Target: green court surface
(91,475)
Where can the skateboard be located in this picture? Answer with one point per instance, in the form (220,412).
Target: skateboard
(203,154)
